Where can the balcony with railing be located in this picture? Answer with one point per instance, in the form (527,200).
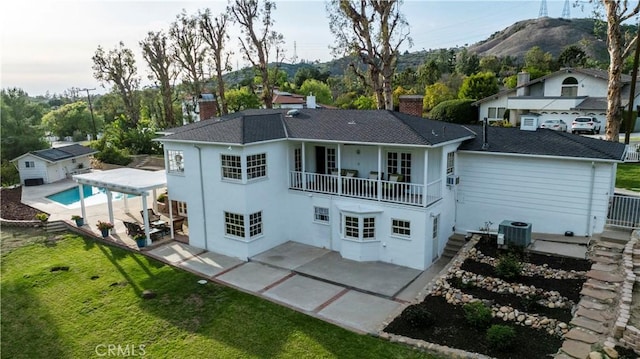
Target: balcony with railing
(369,189)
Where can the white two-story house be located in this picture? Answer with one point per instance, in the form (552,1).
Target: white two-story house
(564,95)
(375,185)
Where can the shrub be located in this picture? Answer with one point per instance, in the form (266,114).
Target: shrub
(456,111)
(42,217)
(161,197)
(418,316)
(501,337)
(114,156)
(477,314)
(508,266)
(9,174)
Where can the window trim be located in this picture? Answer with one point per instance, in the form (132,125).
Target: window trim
(397,228)
(29,164)
(451,163)
(363,224)
(256,166)
(317,216)
(233,166)
(235,229)
(175,166)
(399,164)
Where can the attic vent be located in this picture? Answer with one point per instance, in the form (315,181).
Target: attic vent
(293,113)
(351,122)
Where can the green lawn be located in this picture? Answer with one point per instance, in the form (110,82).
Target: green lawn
(628,176)
(79,312)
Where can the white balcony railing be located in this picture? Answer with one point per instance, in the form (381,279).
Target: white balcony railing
(396,192)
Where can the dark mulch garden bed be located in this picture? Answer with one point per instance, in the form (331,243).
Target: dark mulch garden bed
(489,248)
(448,325)
(522,304)
(569,288)
(451,329)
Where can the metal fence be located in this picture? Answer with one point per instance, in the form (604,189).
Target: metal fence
(624,211)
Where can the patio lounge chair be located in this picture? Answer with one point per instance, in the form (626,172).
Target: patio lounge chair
(391,187)
(153,216)
(134,229)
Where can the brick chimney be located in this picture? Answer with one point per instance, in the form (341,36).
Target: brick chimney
(411,105)
(207,106)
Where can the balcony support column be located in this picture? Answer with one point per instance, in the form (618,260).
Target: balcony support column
(425,189)
(304,167)
(379,181)
(339,163)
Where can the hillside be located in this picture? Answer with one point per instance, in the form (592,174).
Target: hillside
(551,35)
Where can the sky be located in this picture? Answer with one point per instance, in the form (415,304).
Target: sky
(46,45)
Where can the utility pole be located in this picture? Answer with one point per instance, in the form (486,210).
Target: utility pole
(93,121)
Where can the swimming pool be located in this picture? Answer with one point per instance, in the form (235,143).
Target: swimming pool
(92,195)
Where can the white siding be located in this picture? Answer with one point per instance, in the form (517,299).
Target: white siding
(552,194)
(39,171)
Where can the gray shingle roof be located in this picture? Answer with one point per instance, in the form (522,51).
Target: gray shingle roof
(352,126)
(61,153)
(544,142)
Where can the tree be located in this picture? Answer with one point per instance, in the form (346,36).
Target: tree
(320,90)
(73,119)
(118,66)
(188,51)
(156,52)
(372,31)
(241,99)
(428,74)
(309,72)
(490,63)
(617,12)
(20,125)
(214,33)
(536,59)
(436,93)
(365,103)
(258,42)
(572,56)
(478,86)
(466,63)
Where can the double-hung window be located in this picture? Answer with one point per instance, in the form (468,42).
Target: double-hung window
(321,214)
(256,166)
(231,167)
(451,164)
(176,161)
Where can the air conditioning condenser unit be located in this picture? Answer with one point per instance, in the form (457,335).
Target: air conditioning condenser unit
(516,233)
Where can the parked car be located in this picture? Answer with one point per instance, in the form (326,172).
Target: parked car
(556,125)
(586,124)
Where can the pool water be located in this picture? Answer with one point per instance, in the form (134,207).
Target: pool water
(92,195)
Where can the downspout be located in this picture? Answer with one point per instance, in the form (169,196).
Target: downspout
(204,207)
(590,205)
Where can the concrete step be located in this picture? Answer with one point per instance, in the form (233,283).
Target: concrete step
(55,226)
(600,296)
(616,235)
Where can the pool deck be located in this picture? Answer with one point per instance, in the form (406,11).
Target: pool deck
(36,197)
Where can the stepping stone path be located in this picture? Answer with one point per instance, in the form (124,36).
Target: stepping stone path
(594,321)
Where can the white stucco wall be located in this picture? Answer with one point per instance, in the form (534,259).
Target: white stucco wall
(552,194)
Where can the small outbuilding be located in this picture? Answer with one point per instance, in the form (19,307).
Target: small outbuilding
(53,164)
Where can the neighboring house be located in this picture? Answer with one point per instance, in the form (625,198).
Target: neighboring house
(564,95)
(287,100)
(195,109)
(377,185)
(53,164)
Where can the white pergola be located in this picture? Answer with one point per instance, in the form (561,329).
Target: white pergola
(127,181)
